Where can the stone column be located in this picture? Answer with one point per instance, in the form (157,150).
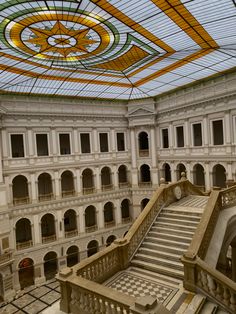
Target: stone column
(81,226)
(5,146)
(59,225)
(30,142)
(75,142)
(34,192)
(113,141)
(1,176)
(115,177)
(117,210)
(95,141)
(37,229)
(189,174)
(227,132)
(233,260)
(98,184)
(154,171)
(229,171)
(133,149)
(54,144)
(78,187)
(206,134)
(57,190)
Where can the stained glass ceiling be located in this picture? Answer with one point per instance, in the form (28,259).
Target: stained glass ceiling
(116,49)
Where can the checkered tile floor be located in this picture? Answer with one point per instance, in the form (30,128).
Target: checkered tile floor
(138,286)
(34,300)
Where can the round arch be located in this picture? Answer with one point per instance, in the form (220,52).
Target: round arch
(50,265)
(72,256)
(219,176)
(26,272)
(110,239)
(92,248)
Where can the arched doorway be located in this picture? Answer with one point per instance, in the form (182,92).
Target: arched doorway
(198,175)
(143,144)
(70,223)
(125,211)
(219,176)
(180,168)
(110,239)
(109,215)
(45,187)
(67,184)
(167,172)
(20,190)
(145,176)
(144,203)
(92,248)
(122,176)
(90,219)
(50,265)
(26,273)
(87,181)
(23,234)
(72,256)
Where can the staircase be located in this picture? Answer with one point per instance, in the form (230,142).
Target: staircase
(170,236)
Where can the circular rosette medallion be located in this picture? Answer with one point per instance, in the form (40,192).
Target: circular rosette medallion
(58,35)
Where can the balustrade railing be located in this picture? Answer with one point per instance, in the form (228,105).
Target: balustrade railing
(144,184)
(126,220)
(123,185)
(228,197)
(89,190)
(91,228)
(107,187)
(143,153)
(77,293)
(68,193)
(109,224)
(5,257)
(24,245)
(48,239)
(21,200)
(45,197)
(71,233)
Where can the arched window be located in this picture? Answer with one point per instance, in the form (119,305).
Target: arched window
(106,179)
(20,190)
(219,176)
(88,182)
(125,211)
(199,176)
(167,172)
(67,184)
(45,187)
(180,168)
(110,239)
(109,215)
(48,229)
(92,248)
(145,176)
(72,256)
(90,219)
(70,223)
(23,234)
(123,176)
(144,203)
(143,144)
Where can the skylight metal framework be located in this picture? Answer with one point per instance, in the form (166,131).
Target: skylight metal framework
(113,49)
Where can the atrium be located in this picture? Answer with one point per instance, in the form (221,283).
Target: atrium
(106,104)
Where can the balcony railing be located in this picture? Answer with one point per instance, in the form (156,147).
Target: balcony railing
(107,187)
(89,190)
(71,233)
(50,238)
(24,245)
(143,153)
(126,220)
(110,224)
(123,185)
(20,200)
(68,193)
(144,184)
(91,228)
(45,197)
(5,257)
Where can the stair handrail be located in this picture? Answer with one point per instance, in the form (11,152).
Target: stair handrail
(102,265)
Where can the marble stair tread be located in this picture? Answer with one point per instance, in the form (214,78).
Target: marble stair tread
(172,229)
(177,215)
(159,260)
(209,308)
(195,305)
(163,279)
(161,254)
(174,226)
(190,210)
(196,201)
(166,248)
(170,238)
(158,268)
(178,221)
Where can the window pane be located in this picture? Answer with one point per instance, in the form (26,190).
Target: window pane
(180,136)
(218,137)
(42,144)
(64,144)
(120,141)
(85,143)
(165,138)
(17,145)
(103,142)
(197,134)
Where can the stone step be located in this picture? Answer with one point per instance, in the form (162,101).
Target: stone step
(183,211)
(160,277)
(175,249)
(209,308)
(192,201)
(159,261)
(176,215)
(159,254)
(163,237)
(158,268)
(155,230)
(174,226)
(177,221)
(195,305)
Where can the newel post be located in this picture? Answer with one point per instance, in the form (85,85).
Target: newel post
(123,252)
(65,287)
(189,261)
